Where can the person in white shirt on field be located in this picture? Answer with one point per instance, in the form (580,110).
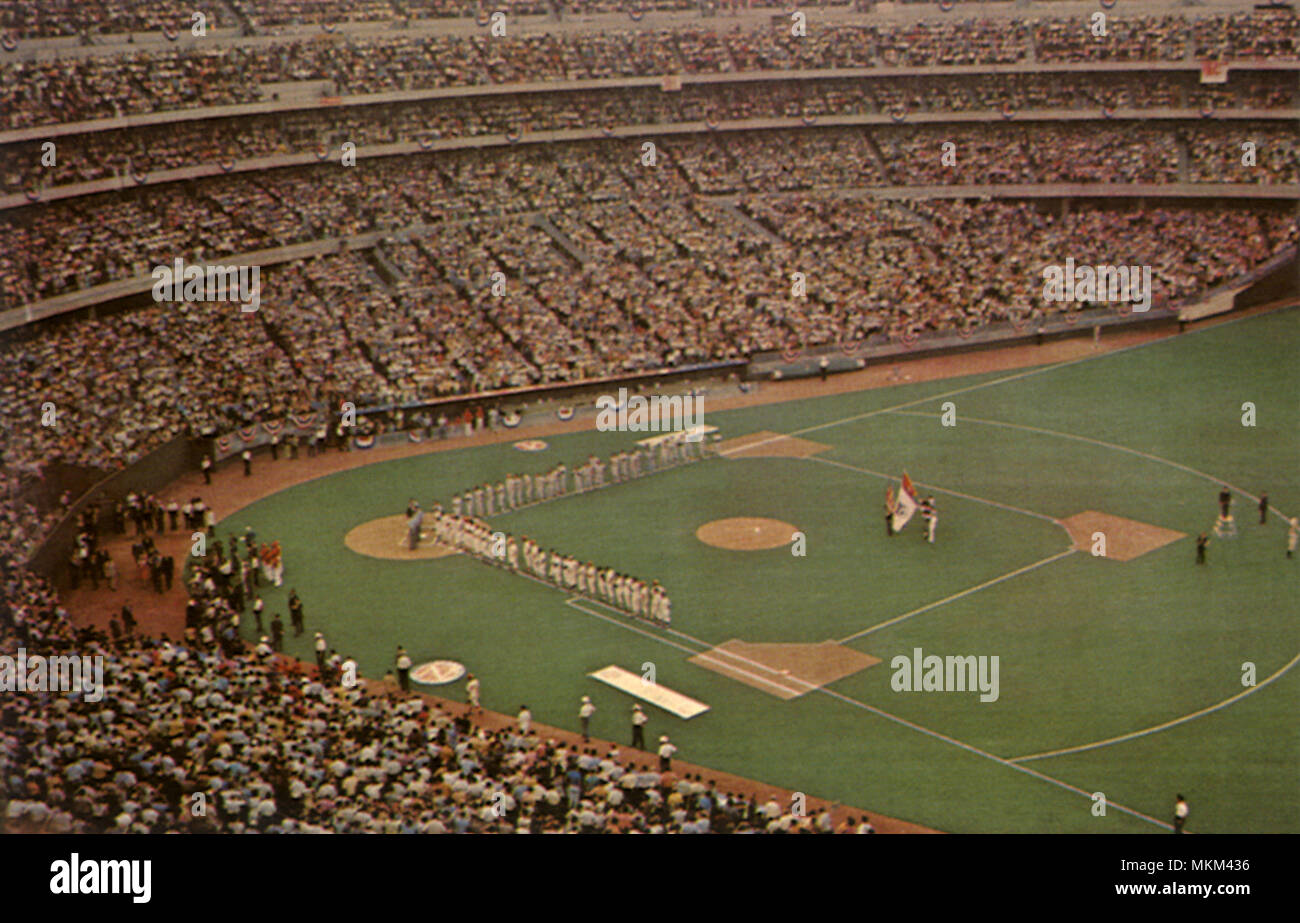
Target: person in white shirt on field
(525,720)
(584,715)
(639,720)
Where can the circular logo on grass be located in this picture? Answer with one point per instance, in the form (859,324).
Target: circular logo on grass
(438,672)
(530,445)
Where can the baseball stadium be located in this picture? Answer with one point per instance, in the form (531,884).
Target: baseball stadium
(665,417)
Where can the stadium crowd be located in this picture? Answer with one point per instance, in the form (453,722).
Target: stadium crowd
(227,141)
(664,279)
(201,734)
(70,244)
(72,89)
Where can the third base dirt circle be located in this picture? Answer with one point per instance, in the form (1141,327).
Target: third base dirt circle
(744,533)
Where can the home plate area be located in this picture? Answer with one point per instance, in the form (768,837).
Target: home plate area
(786,671)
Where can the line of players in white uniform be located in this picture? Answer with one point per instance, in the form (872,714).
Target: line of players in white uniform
(523,555)
(519,490)
(464,528)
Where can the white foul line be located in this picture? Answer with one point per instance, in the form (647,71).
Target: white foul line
(984,384)
(1108,445)
(574,602)
(1181,467)
(942,490)
(966,592)
(990,756)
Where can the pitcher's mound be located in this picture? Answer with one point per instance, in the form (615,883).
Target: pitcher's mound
(1126,539)
(386,538)
(786,671)
(746,534)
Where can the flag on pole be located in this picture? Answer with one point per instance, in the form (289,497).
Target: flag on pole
(905,504)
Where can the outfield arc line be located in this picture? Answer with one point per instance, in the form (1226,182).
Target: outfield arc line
(1052,367)
(1105,445)
(1210,709)
(575,601)
(955,596)
(970,748)
(1096,745)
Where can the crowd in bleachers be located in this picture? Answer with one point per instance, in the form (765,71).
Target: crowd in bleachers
(50,249)
(121,152)
(74,89)
(200,734)
(664,284)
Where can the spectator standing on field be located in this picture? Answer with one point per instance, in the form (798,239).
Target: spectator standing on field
(666,751)
(639,720)
(403,665)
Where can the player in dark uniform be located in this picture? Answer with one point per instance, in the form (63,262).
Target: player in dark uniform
(1202,540)
(1225,501)
(1263,508)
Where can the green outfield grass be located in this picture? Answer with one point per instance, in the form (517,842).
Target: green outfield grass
(1089,649)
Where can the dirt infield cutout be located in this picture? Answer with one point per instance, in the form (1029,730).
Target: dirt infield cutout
(1126,539)
(746,533)
(386,538)
(767,444)
(786,671)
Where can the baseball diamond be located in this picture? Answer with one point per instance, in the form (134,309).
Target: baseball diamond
(665,418)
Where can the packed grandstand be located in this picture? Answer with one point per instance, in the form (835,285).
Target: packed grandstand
(524,155)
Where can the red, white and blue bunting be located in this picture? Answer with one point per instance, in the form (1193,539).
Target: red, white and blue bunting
(364,442)
(564,413)
(510,420)
(414,435)
(303,420)
(9,43)
(248,433)
(223,444)
(273,427)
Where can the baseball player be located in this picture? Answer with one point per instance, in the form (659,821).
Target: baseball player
(1181,810)
(1292,536)
(931,520)
(472,688)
